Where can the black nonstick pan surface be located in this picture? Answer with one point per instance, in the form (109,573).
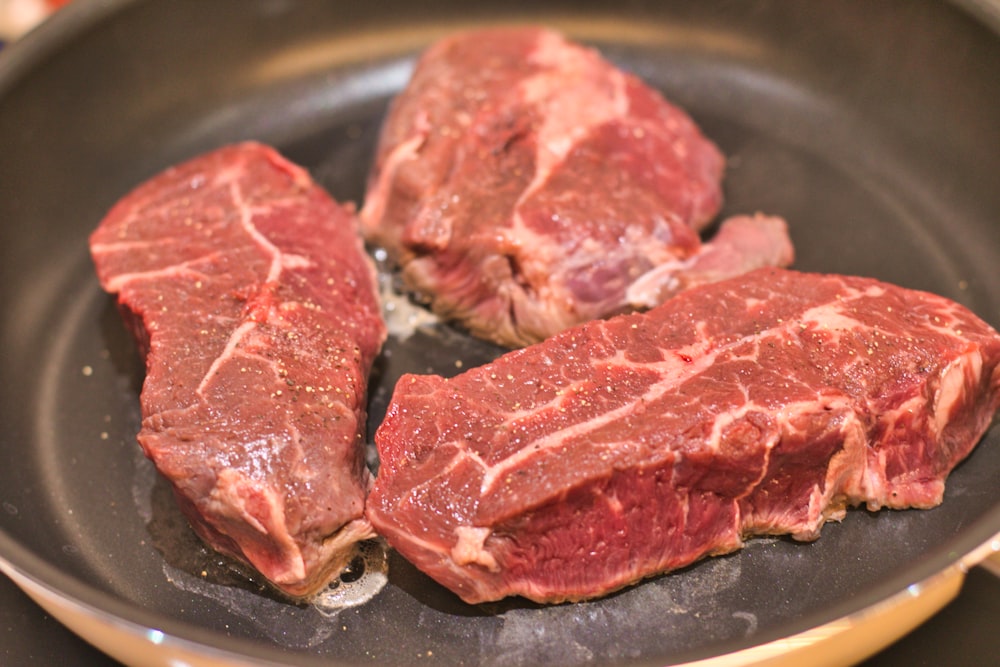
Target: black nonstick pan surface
(872,127)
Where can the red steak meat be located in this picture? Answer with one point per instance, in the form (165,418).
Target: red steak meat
(524,184)
(761,405)
(254,304)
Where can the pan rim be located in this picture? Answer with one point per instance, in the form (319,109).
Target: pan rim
(164,632)
(75,19)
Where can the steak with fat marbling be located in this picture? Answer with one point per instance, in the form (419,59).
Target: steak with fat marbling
(254,304)
(524,184)
(764,404)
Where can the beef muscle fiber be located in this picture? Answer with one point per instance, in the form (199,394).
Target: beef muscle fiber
(525,184)
(252,299)
(764,404)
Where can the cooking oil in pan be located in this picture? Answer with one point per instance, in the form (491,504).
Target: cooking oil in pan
(361,580)
(190,565)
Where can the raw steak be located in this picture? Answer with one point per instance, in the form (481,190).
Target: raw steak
(525,184)
(764,404)
(249,293)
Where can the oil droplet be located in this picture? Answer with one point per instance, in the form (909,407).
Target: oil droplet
(362,579)
(403,317)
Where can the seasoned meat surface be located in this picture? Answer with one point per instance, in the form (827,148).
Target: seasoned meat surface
(255,307)
(764,404)
(524,184)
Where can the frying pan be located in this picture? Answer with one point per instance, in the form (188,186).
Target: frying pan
(871,126)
